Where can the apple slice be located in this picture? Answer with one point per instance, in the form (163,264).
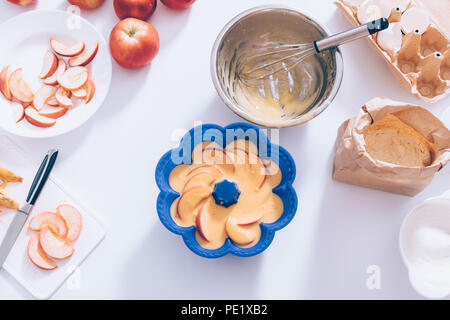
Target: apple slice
(259,171)
(42,95)
(85,58)
(206,168)
(242,235)
(33,117)
(18,112)
(73,78)
(52,79)
(20,88)
(248,217)
(4,81)
(51,220)
(90,91)
(200,179)
(201,222)
(81,93)
(37,254)
(190,200)
(65,50)
(73,220)
(50,65)
(63,97)
(218,157)
(52,102)
(53,112)
(54,246)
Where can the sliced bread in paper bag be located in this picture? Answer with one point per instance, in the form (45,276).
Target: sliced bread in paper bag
(391,146)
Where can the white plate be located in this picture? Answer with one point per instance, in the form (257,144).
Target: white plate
(25,47)
(42,283)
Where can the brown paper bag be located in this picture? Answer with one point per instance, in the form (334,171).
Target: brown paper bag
(353,164)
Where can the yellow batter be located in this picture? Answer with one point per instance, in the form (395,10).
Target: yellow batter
(254,178)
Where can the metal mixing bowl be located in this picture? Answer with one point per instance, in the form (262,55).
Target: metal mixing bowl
(280,24)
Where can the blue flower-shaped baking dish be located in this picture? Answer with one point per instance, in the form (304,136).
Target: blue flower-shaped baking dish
(183,155)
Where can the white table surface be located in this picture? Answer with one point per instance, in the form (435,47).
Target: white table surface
(109,162)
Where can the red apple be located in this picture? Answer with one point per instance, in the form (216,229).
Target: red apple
(87,4)
(178,4)
(23,2)
(139,9)
(134,43)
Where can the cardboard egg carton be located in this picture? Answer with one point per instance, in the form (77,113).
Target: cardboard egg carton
(420,58)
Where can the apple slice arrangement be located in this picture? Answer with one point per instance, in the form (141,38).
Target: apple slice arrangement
(53,237)
(61,80)
(226,193)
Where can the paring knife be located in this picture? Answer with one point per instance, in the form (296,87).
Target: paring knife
(22,214)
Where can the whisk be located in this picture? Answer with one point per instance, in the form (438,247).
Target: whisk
(268,59)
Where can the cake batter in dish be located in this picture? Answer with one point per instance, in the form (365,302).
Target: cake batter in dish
(226,193)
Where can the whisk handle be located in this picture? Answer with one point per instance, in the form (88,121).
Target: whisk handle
(352,34)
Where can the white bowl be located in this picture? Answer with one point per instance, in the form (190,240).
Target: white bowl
(421,281)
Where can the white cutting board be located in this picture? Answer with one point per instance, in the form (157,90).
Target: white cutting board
(42,283)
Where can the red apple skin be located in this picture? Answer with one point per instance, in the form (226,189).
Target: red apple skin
(178,4)
(139,9)
(134,43)
(23,2)
(87,4)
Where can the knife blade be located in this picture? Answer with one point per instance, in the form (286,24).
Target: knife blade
(21,215)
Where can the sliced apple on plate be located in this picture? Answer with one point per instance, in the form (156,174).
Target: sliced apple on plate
(81,93)
(62,96)
(85,58)
(190,200)
(18,112)
(90,91)
(37,255)
(51,220)
(52,79)
(4,81)
(73,78)
(73,220)
(53,112)
(42,95)
(52,102)
(66,50)
(49,66)
(20,88)
(33,117)
(54,246)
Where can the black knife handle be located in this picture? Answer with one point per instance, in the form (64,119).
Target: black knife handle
(41,176)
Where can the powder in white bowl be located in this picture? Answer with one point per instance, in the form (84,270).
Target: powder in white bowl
(425,245)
